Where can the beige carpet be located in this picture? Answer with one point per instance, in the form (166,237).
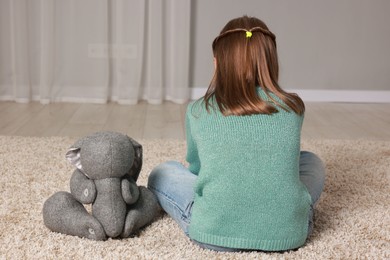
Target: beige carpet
(353,217)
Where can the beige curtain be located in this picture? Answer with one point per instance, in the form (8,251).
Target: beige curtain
(94,50)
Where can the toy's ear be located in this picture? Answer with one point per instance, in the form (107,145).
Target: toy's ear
(137,163)
(73,156)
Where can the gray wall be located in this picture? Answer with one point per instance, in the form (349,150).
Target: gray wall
(332,44)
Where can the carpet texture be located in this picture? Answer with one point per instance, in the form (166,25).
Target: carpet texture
(352,218)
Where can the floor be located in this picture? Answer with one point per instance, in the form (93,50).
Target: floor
(146,121)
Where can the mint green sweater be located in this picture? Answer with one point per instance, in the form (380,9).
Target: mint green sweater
(248,194)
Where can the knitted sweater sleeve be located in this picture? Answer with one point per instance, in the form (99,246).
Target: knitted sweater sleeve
(192,150)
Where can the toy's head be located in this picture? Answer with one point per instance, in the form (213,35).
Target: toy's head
(106,155)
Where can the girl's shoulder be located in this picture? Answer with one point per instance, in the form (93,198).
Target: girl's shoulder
(197,108)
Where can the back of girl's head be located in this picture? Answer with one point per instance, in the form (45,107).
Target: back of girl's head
(246,58)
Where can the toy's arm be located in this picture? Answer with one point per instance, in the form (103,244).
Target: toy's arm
(82,188)
(130,191)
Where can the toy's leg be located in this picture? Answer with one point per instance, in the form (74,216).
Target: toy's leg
(64,214)
(141,213)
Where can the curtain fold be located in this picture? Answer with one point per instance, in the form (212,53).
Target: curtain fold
(19,53)
(46,57)
(94,50)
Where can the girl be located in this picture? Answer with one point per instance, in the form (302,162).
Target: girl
(248,186)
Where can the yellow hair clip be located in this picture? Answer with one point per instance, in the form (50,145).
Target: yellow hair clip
(248,34)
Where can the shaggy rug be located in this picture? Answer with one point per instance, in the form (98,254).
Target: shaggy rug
(352,218)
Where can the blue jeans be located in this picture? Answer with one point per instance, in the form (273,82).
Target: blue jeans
(173,185)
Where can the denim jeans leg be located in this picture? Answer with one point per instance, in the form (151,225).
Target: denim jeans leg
(173,185)
(312,175)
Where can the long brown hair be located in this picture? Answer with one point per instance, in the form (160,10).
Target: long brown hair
(246,57)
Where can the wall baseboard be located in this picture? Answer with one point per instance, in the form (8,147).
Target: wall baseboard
(353,96)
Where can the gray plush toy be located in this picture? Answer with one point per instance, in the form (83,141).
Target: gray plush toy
(107,167)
